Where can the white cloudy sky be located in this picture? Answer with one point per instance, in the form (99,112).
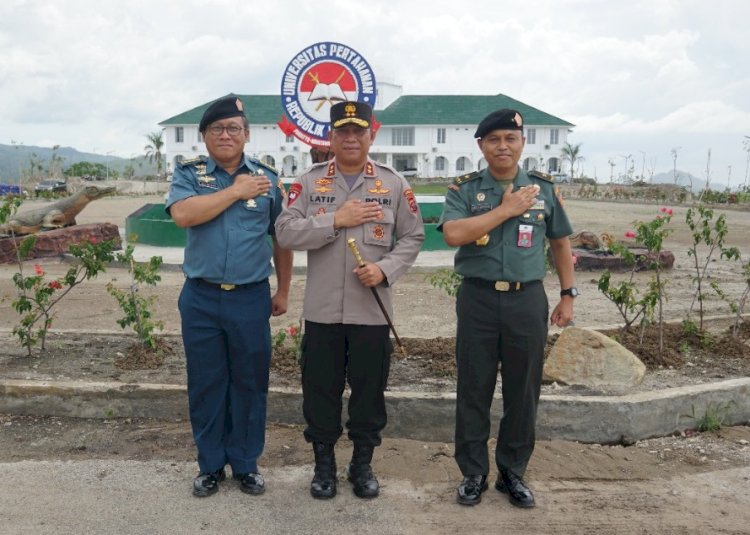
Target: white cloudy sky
(637,78)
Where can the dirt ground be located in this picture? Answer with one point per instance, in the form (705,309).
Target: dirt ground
(692,483)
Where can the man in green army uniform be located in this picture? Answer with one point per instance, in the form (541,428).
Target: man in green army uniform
(499,218)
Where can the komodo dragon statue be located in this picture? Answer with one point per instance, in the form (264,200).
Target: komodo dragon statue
(59,214)
(589,240)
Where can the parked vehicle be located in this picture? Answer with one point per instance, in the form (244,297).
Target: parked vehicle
(50,186)
(409,172)
(561,178)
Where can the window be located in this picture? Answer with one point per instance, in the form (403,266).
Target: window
(441,135)
(441,163)
(462,164)
(179,134)
(402,136)
(554,136)
(200,137)
(290,139)
(531,136)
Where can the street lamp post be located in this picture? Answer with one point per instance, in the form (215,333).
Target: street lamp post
(107,160)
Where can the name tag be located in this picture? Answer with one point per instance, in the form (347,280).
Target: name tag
(481,207)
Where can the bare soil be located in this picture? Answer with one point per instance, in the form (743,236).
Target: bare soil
(691,482)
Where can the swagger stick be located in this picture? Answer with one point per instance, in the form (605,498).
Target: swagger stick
(352,243)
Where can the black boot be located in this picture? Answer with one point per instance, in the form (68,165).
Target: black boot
(323,485)
(363,480)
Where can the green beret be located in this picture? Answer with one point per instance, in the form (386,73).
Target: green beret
(224,108)
(343,113)
(504,119)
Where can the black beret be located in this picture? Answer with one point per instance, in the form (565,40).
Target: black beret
(504,119)
(225,107)
(359,113)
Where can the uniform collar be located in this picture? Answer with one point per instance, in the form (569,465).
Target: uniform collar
(368,172)
(211,165)
(489,182)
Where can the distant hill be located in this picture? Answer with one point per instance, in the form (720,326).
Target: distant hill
(16,160)
(691,182)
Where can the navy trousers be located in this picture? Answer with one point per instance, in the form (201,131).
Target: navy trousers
(227,341)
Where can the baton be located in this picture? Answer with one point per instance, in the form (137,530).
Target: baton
(352,243)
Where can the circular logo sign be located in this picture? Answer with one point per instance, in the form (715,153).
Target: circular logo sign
(317,78)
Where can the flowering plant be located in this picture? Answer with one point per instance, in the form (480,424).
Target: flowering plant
(36,296)
(292,332)
(624,294)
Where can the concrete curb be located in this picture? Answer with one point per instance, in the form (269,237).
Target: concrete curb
(420,416)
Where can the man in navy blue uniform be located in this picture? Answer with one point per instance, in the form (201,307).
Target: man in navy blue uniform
(228,203)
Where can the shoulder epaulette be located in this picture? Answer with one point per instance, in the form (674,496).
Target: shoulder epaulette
(264,164)
(463,179)
(193,161)
(541,176)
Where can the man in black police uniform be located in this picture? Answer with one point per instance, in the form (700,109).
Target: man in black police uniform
(228,203)
(499,218)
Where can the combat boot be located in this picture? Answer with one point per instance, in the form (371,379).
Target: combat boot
(323,485)
(360,473)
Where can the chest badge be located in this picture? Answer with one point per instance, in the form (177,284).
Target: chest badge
(483,241)
(481,196)
(378,232)
(323,189)
(251,203)
(538,205)
(379,189)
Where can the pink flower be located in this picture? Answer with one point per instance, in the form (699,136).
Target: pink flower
(292,330)
(666,210)
(630,234)
(38,269)
(55,285)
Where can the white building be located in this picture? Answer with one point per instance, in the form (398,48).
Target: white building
(430,135)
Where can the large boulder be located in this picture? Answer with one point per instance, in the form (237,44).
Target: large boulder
(55,243)
(587,357)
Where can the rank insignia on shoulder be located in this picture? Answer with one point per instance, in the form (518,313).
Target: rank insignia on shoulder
(199,160)
(543,176)
(463,179)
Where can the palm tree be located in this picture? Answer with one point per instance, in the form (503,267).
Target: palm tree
(571,153)
(153,149)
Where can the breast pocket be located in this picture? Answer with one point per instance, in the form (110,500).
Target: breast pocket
(380,232)
(254,213)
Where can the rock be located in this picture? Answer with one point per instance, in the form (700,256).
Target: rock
(56,242)
(587,357)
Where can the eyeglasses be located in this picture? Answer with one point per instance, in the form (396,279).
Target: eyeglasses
(232,130)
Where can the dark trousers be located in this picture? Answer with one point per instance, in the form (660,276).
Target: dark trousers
(333,354)
(227,341)
(509,329)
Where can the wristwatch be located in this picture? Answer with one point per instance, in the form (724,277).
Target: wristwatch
(572,292)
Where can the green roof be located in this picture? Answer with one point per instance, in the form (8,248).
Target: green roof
(459,109)
(406,110)
(260,109)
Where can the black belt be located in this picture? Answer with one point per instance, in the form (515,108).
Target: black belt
(502,286)
(227,287)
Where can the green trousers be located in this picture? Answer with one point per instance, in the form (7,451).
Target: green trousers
(508,329)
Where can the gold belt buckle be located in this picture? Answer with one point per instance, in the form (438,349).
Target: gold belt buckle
(502,286)
(227,287)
